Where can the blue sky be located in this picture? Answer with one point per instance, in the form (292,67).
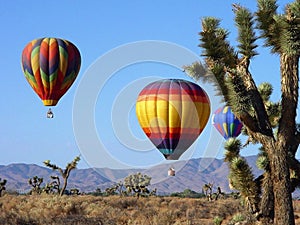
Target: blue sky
(96,28)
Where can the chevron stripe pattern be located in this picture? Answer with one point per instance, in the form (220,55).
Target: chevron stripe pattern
(172,113)
(50,66)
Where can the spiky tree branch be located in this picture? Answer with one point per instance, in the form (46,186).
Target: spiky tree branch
(246,36)
(231,72)
(65,173)
(241,177)
(36,182)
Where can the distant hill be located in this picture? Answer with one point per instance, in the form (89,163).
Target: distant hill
(191,174)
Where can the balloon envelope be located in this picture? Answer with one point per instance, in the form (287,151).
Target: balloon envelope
(50,66)
(172,113)
(226,122)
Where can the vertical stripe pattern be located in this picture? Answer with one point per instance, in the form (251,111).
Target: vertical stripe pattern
(226,122)
(50,66)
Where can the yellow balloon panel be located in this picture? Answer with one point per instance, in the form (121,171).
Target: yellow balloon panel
(172,113)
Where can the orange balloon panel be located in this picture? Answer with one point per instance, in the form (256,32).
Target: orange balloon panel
(50,66)
(172,113)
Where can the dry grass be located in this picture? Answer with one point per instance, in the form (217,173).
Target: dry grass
(115,210)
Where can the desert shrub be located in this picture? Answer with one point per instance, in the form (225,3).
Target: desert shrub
(12,192)
(187,193)
(181,204)
(164,217)
(226,207)
(97,192)
(237,218)
(124,203)
(75,220)
(12,219)
(112,210)
(218,220)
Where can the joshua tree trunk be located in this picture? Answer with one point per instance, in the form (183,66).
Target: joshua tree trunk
(283,210)
(267,199)
(286,133)
(64,186)
(278,149)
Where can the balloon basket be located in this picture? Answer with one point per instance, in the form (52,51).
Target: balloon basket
(50,114)
(171,172)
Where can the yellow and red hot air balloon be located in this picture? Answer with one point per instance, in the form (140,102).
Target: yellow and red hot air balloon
(50,66)
(172,113)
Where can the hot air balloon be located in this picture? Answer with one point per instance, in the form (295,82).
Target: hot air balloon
(172,113)
(50,66)
(226,122)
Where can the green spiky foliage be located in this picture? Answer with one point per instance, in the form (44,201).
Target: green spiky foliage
(281,31)
(200,72)
(197,71)
(232,149)
(271,124)
(2,186)
(237,94)
(262,161)
(137,183)
(242,179)
(240,176)
(65,173)
(273,109)
(217,51)
(214,42)
(52,187)
(246,35)
(35,182)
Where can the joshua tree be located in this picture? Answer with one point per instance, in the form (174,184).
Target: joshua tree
(74,191)
(65,173)
(53,186)
(118,187)
(2,186)
(207,190)
(98,190)
(111,190)
(137,183)
(219,193)
(272,125)
(35,182)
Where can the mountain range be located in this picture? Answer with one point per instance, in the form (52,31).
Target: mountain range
(191,174)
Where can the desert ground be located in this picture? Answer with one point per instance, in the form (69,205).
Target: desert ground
(116,210)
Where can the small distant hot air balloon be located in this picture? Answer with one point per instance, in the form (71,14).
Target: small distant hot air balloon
(50,66)
(172,113)
(226,122)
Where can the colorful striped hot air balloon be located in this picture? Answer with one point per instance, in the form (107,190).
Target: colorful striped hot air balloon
(226,123)
(172,113)
(50,66)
